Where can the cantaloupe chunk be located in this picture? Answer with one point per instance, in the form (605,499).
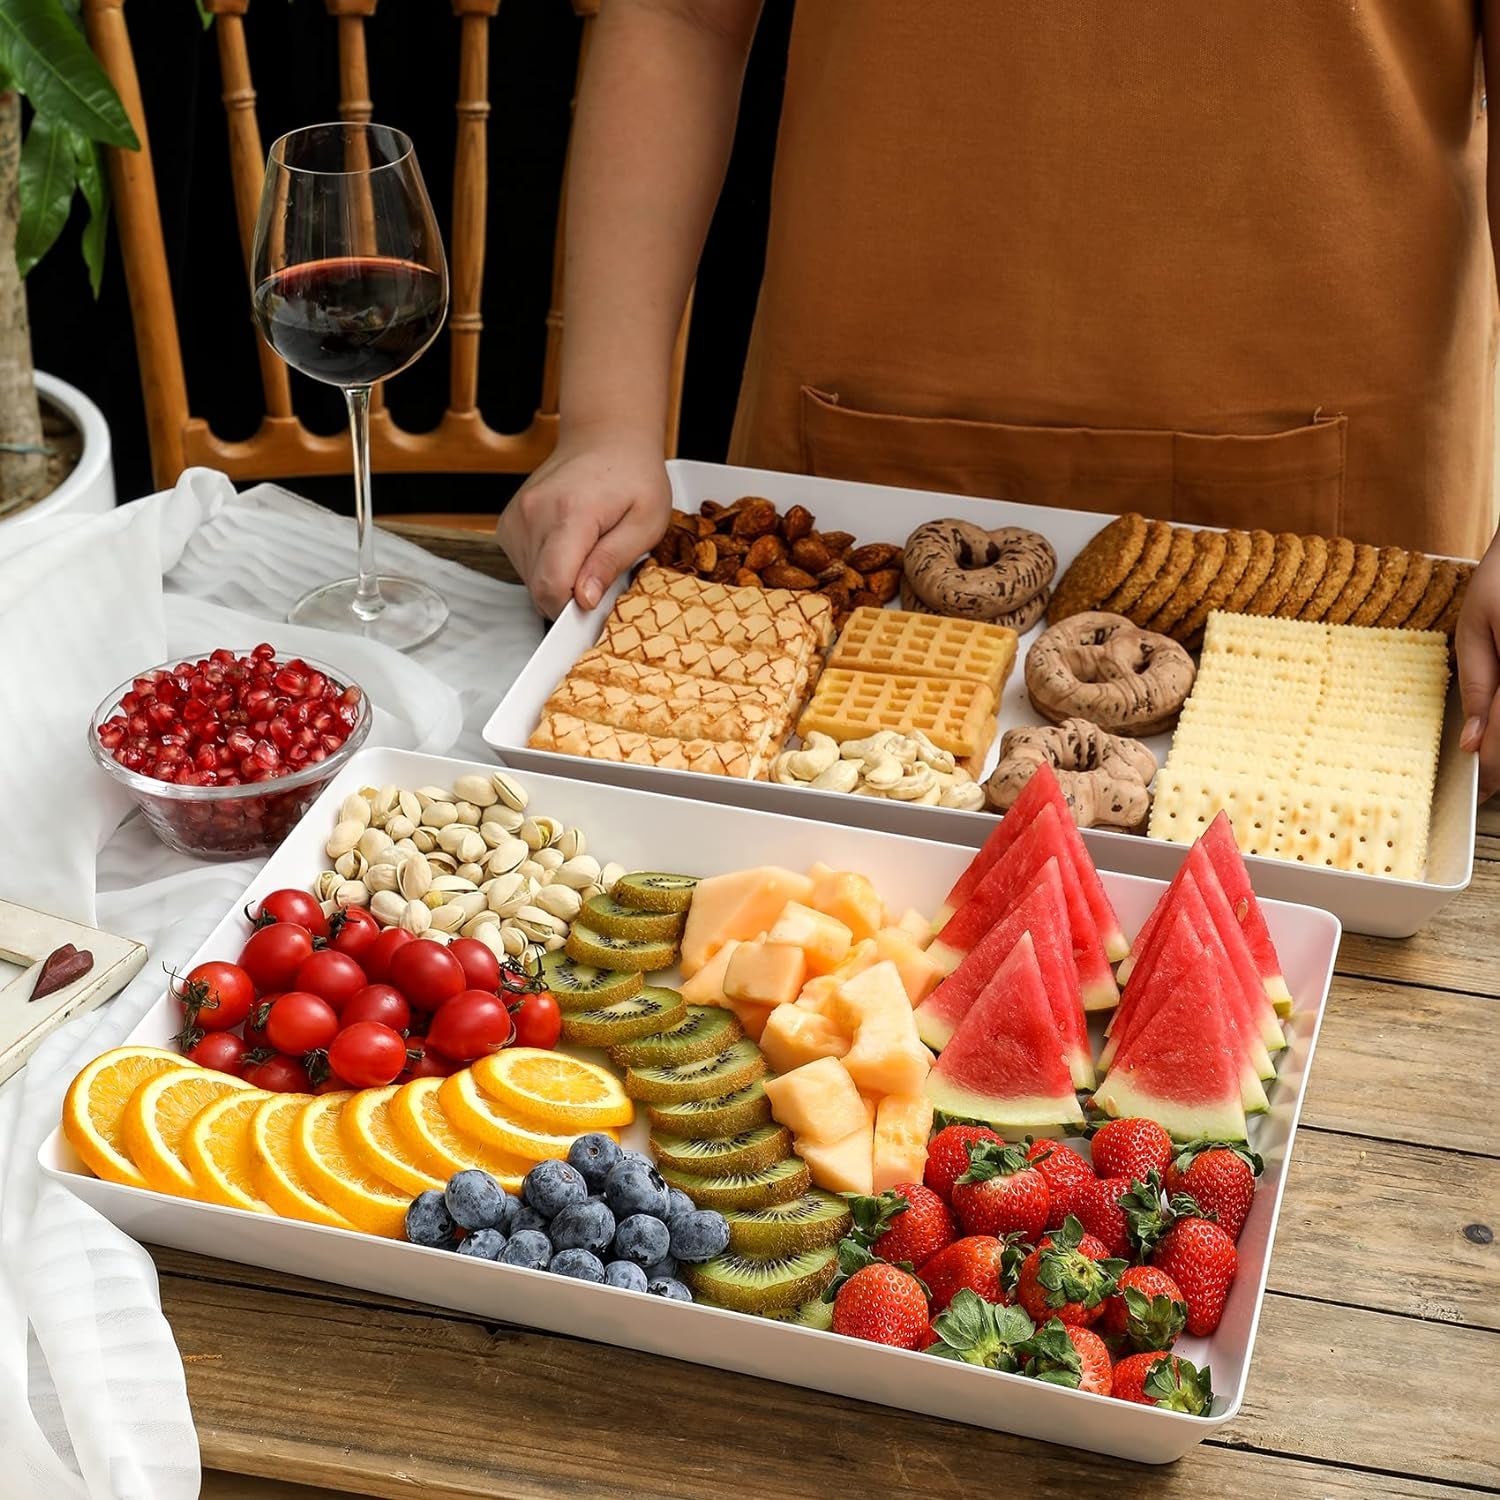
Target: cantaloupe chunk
(740,905)
(850,898)
(887,1056)
(752,1017)
(706,987)
(915,926)
(844,1166)
(818,1101)
(765,973)
(919,974)
(902,1125)
(795,1035)
(824,940)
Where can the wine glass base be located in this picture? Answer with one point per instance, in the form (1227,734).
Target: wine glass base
(412,612)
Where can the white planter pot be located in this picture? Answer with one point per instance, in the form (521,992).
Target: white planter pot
(90,489)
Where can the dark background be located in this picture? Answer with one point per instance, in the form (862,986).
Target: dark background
(413,61)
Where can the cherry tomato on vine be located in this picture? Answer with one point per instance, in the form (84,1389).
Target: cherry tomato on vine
(377,960)
(481,967)
(427,974)
(255,1036)
(368,1054)
(354,932)
(214,997)
(333,1084)
(274,954)
(470,1025)
(222,1051)
(278,1073)
(377,1002)
(333,976)
(299,1021)
(423,1061)
(537,1019)
(290,906)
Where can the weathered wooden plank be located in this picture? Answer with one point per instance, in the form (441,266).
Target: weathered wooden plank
(218,1485)
(477,549)
(1489,816)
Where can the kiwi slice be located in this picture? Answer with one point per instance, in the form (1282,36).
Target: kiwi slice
(587,946)
(615,919)
(650,890)
(752,1285)
(583,987)
(704,1030)
(640,1014)
(709,1118)
(703,1078)
(781,1181)
(748,1151)
(815,1314)
(810,1222)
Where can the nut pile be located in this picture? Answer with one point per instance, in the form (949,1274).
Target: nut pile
(470,862)
(902,767)
(751,543)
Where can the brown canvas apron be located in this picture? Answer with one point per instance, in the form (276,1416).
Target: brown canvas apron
(1225,263)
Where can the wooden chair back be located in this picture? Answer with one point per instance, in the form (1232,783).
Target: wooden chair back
(462,442)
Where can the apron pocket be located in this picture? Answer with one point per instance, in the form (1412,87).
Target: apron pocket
(1284,481)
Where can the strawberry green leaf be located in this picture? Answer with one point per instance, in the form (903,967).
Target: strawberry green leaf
(873,1216)
(1194,1149)
(989,1159)
(1152,1322)
(1178,1385)
(981,1333)
(1050,1355)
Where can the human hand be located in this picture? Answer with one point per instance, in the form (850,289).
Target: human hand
(1477,641)
(584,516)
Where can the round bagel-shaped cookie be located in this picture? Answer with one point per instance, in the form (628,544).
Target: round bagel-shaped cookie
(1104,777)
(962,570)
(1020,620)
(1100,667)
(1100,567)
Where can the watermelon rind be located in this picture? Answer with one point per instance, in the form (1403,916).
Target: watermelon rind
(1037,1116)
(1120,1098)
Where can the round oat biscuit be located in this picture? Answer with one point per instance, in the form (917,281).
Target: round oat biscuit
(1357,589)
(1309,576)
(1440,590)
(1100,568)
(1335,576)
(1257,569)
(1447,622)
(1143,574)
(1237,549)
(1390,569)
(1209,548)
(1409,595)
(1286,564)
(1180,554)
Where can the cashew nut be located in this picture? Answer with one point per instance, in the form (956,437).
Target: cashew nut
(967,794)
(929,754)
(871,746)
(883,772)
(915,785)
(816,756)
(841,776)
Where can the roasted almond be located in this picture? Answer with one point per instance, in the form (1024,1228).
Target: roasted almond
(705,557)
(746,579)
(784,576)
(838,542)
(863,599)
(765,552)
(726,570)
(834,573)
(837,595)
(810,554)
(756,518)
(684,522)
(885,583)
(665,551)
(874,557)
(731,546)
(796,523)
(711,509)
(854,579)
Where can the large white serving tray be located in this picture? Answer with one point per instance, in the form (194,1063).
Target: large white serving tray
(654,832)
(1377,905)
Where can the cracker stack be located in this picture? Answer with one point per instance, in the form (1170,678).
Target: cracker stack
(1321,742)
(692,676)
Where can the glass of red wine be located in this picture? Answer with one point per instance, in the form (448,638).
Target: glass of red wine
(350,286)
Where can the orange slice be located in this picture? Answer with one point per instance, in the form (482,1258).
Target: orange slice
(335,1174)
(216,1150)
(474,1113)
(96,1100)
(429,1135)
(157,1117)
(553,1090)
(274,1168)
(369,1133)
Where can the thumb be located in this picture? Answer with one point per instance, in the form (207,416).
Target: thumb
(1478,672)
(636,531)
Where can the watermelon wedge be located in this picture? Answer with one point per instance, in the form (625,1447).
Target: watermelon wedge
(1044,914)
(1179,1067)
(1043,789)
(1005,885)
(1004,1064)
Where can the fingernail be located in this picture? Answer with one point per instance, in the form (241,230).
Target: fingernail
(588,592)
(1473,732)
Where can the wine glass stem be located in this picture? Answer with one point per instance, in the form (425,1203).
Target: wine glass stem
(367,601)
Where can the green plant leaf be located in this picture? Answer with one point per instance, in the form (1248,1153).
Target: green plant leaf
(95,188)
(48,177)
(204,15)
(45,53)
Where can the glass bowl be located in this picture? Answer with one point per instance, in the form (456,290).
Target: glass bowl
(227,822)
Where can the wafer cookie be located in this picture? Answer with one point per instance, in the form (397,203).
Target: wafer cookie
(815,608)
(657,682)
(788,634)
(708,659)
(902,641)
(571,736)
(956,714)
(752,724)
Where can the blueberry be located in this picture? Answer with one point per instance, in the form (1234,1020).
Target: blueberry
(667,1286)
(579,1264)
(642,1239)
(592,1156)
(583,1226)
(429,1223)
(484,1244)
(699,1236)
(664,1270)
(551,1186)
(527,1247)
(634,1188)
(526,1217)
(476,1200)
(678,1202)
(639,1157)
(624,1273)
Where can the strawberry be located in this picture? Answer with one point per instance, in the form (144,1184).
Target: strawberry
(1096,1205)
(1131,1148)
(1201,1259)
(1065,1171)
(1064,1354)
(1159,1379)
(1068,1276)
(975,1264)
(1001,1193)
(908,1223)
(948,1155)
(882,1305)
(979,1333)
(1220,1177)
(1147,1311)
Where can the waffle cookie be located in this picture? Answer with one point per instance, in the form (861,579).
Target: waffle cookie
(573,736)
(957,714)
(923,645)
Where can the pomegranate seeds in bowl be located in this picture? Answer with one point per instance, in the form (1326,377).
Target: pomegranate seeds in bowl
(224,754)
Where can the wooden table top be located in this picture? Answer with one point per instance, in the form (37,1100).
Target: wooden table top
(1374,1371)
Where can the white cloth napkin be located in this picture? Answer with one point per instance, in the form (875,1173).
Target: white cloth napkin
(92,1397)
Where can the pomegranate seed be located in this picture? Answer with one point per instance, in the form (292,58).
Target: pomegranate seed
(240,743)
(194,709)
(161,714)
(266,754)
(139,724)
(131,758)
(317,683)
(281,733)
(264,652)
(223,656)
(289,680)
(111,735)
(207,758)
(317,753)
(296,755)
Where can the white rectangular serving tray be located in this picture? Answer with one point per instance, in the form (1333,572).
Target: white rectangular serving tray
(655,832)
(1377,905)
